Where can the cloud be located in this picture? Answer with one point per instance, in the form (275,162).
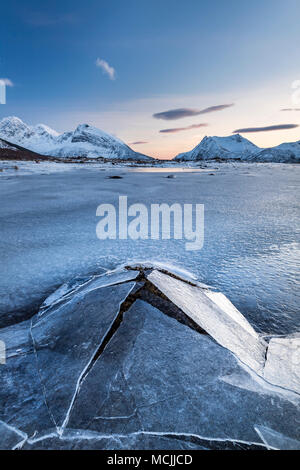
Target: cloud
(6,82)
(173,114)
(139,142)
(213,109)
(180,129)
(106,68)
(179,113)
(290,109)
(278,127)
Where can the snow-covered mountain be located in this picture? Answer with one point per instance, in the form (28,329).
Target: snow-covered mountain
(234,146)
(237,147)
(85,141)
(88,141)
(283,153)
(5,145)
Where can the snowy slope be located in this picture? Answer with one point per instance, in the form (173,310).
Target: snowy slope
(85,141)
(88,141)
(234,146)
(38,138)
(4,145)
(283,153)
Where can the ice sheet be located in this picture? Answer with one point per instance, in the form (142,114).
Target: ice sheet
(250,253)
(283,362)
(227,327)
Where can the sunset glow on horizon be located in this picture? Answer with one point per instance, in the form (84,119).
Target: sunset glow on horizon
(158,78)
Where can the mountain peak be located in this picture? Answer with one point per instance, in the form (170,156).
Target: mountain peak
(85,141)
(236,146)
(12,128)
(228,147)
(42,128)
(12,119)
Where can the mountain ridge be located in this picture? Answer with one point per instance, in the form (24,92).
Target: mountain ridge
(85,141)
(236,147)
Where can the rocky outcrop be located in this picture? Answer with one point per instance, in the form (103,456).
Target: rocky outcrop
(9,151)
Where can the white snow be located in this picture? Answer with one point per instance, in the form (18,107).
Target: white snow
(88,141)
(85,141)
(287,152)
(4,145)
(219,147)
(237,147)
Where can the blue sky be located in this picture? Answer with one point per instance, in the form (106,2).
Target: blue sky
(160,55)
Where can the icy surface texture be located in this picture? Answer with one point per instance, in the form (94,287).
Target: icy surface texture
(70,336)
(283,362)
(221,320)
(22,397)
(111,364)
(250,253)
(10,437)
(275,440)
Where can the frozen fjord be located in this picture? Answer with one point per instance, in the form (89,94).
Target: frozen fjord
(250,252)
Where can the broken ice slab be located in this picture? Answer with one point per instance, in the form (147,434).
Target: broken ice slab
(169,269)
(216,316)
(247,379)
(224,303)
(79,287)
(22,401)
(114,361)
(67,339)
(16,339)
(163,377)
(276,440)
(10,437)
(283,362)
(63,290)
(141,440)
